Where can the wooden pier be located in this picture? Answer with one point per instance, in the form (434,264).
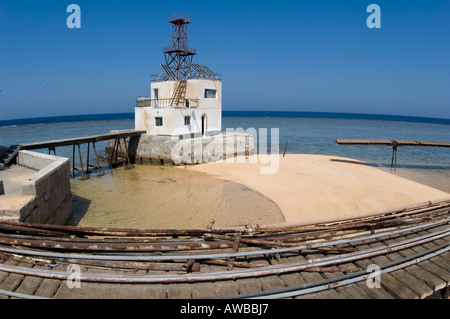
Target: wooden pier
(394,144)
(76,142)
(400,253)
(391,143)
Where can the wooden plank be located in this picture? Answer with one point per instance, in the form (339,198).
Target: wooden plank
(203,290)
(290,279)
(312,277)
(415,284)
(226,288)
(248,285)
(351,291)
(436,144)
(431,267)
(154,291)
(405,143)
(325,294)
(223,288)
(444,265)
(12,281)
(81,140)
(315,276)
(178,291)
(430,279)
(151,291)
(271,282)
(395,287)
(391,143)
(29,285)
(48,288)
(433,281)
(376,293)
(88,290)
(363,142)
(419,287)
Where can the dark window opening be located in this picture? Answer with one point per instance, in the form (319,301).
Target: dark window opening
(210,94)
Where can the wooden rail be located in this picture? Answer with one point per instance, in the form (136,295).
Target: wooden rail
(391,143)
(81,140)
(77,141)
(411,247)
(394,144)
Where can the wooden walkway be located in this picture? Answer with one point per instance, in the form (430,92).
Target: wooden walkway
(409,246)
(80,140)
(391,143)
(77,141)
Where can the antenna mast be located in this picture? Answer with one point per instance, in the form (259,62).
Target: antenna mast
(179,54)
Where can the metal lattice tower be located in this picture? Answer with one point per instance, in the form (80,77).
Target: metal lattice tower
(179,55)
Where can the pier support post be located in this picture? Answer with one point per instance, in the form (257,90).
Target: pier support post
(394,158)
(99,173)
(83,175)
(117,151)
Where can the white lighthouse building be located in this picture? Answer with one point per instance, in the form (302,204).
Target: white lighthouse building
(182,117)
(186,98)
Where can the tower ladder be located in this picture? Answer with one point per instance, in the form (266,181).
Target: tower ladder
(179,92)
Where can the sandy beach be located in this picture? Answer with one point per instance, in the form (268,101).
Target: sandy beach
(311,187)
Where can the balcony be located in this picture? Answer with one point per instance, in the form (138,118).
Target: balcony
(166,103)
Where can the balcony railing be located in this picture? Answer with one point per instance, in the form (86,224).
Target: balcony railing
(165,103)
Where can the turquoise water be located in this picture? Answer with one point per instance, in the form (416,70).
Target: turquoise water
(303,135)
(317,136)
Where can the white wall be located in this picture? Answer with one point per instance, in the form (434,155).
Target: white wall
(173,120)
(173,117)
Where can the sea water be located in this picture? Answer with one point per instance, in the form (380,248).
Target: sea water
(165,197)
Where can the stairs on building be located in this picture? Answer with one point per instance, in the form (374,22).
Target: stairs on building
(179,92)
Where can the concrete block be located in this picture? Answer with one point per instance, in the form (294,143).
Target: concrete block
(50,187)
(28,188)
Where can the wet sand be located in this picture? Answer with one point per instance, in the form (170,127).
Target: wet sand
(439,179)
(167,197)
(311,187)
(305,187)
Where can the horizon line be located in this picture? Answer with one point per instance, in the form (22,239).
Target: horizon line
(251,113)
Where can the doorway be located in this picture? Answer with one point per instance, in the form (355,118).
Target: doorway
(203,124)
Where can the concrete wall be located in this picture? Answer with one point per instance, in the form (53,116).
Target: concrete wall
(165,150)
(49,186)
(195,90)
(173,121)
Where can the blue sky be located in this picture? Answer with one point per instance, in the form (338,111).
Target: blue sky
(317,56)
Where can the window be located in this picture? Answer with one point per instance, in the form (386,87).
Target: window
(158,121)
(210,94)
(187,120)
